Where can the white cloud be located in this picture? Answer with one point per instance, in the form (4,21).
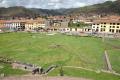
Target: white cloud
(49,4)
(78,4)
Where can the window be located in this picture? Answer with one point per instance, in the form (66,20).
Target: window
(110,23)
(102,29)
(75,29)
(117,31)
(104,23)
(117,26)
(110,30)
(93,26)
(118,23)
(113,23)
(113,26)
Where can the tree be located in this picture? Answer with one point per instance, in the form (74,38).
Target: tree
(77,25)
(61,71)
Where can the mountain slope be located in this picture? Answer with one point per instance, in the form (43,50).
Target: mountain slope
(108,7)
(16,11)
(19,11)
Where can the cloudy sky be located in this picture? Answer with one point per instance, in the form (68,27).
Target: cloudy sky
(49,4)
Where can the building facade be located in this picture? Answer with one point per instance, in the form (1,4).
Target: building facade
(31,25)
(2,23)
(15,25)
(107,26)
(22,25)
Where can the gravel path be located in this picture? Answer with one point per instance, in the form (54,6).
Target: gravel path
(109,66)
(37,77)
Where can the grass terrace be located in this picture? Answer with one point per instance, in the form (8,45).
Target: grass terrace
(44,50)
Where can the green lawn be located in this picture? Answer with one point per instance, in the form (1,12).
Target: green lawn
(39,49)
(115,59)
(36,49)
(114,53)
(7,70)
(85,74)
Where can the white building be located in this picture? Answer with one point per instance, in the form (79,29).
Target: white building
(106,26)
(31,25)
(15,25)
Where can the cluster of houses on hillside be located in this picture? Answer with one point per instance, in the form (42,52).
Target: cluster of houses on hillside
(109,24)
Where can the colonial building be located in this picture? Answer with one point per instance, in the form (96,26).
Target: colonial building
(18,25)
(57,24)
(106,26)
(22,25)
(34,25)
(2,23)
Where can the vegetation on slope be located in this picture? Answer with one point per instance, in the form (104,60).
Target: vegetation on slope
(7,70)
(77,25)
(73,72)
(105,8)
(108,7)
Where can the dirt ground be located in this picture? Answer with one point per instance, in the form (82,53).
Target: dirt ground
(37,77)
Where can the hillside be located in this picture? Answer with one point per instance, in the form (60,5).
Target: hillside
(15,11)
(19,11)
(108,7)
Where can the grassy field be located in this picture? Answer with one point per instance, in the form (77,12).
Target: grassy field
(115,59)
(39,49)
(84,73)
(44,50)
(7,70)
(114,53)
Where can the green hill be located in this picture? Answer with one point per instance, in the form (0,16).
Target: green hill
(19,11)
(108,7)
